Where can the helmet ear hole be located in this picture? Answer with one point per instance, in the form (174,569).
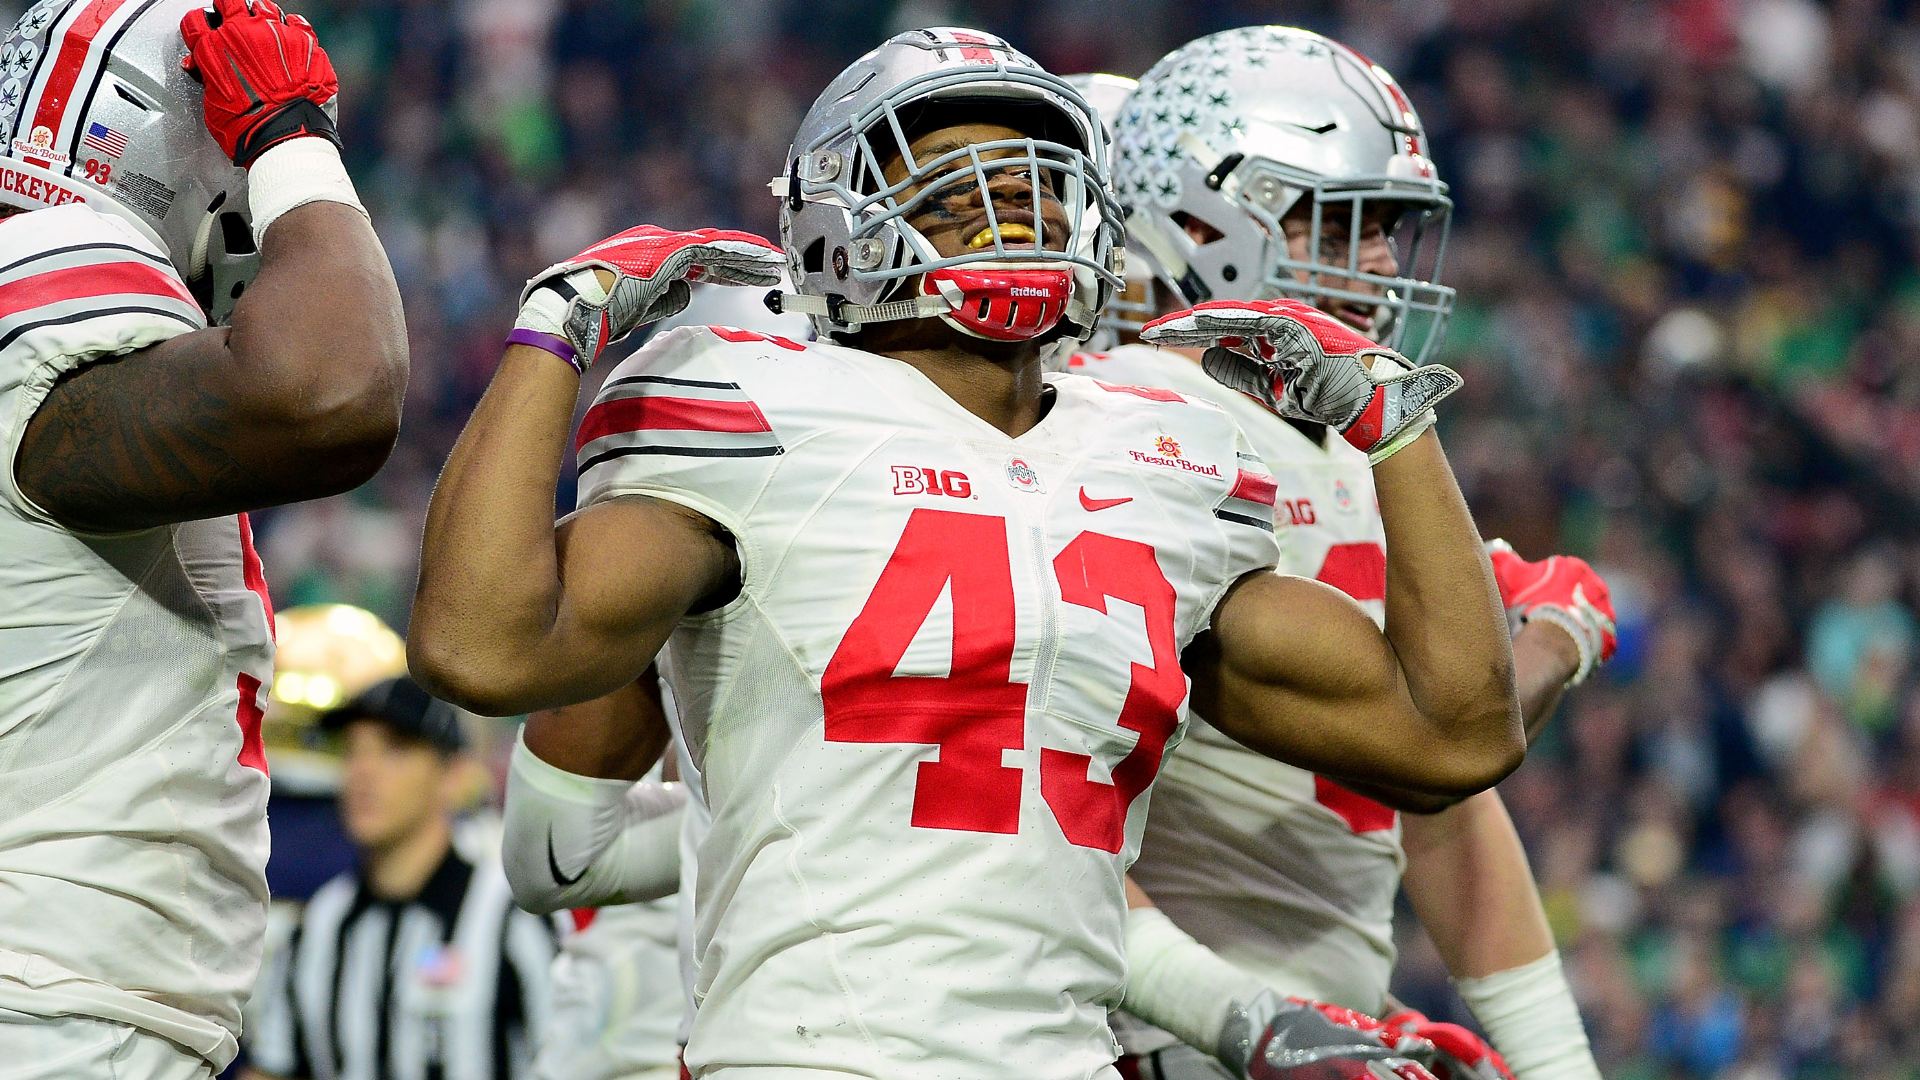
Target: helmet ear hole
(236,234)
(1203,232)
(814,259)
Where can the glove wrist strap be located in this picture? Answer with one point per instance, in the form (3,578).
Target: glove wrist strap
(1416,428)
(294,173)
(296,119)
(1589,656)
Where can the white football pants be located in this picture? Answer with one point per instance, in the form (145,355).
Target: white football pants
(88,1048)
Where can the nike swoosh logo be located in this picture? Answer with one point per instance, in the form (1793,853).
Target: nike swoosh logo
(553,864)
(1090,505)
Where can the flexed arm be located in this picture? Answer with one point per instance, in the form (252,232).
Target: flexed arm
(513,614)
(1292,667)
(300,396)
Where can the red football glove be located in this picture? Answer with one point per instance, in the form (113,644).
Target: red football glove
(1564,591)
(1295,1039)
(1459,1054)
(265,73)
(1303,363)
(567,309)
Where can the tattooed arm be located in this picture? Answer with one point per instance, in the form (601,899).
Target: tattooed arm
(298,399)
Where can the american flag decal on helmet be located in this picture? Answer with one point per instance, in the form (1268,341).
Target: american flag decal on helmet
(658,414)
(109,141)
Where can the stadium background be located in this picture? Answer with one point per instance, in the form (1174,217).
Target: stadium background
(1690,325)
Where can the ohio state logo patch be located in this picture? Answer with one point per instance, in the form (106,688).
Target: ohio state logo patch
(1022,477)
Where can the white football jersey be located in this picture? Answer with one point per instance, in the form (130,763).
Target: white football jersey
(133,788)
(1284,873)
(926,727)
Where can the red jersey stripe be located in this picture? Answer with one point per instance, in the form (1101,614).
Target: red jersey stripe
(74,49)
(1361,814)
(669,413)
(100,279)
(1254,487)
(1151,393)
(254,573)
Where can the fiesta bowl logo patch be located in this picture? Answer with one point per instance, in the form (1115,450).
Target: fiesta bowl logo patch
(1021,475)
(1166,454)
(39,146)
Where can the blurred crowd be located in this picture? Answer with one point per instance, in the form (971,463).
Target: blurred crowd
(1690,323)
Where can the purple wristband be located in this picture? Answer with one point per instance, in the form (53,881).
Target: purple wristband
(558,346)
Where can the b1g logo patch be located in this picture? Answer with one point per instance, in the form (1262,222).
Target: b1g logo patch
(914,480)
(1342,495)
(1022,477)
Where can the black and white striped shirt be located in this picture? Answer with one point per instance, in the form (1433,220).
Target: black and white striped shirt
(449,986)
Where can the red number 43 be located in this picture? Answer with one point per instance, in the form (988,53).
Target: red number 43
(977,711)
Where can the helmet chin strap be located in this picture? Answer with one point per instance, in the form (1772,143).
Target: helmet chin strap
(990,300)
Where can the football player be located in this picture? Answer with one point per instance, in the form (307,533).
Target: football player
(1252,159)
(163,168)
(933,610)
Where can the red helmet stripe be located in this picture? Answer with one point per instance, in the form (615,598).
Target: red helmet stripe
(75,45)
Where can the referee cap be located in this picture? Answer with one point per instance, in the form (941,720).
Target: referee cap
(402,705)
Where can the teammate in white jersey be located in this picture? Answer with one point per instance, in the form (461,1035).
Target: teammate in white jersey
(933,612)
(1287,874)
(137,634)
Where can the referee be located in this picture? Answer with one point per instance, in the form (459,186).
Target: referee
(416,964)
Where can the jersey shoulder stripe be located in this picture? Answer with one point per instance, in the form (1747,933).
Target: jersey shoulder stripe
(76,285)
(680,417)
(102,279)
(671,406)
(1250,500)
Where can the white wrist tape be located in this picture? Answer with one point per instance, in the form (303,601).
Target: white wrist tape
(544,310)
(1176,983)
(1529,1016)
(295,173)
(579,841)
(1412,431)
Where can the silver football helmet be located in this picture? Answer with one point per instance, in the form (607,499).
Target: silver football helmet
(851,248)
(95,108)
(1235,129)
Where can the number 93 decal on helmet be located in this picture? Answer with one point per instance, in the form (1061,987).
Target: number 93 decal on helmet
(96,107)
(947,175)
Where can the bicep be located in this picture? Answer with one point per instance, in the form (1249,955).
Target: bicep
(1296,670)
(630,568)
(137,440)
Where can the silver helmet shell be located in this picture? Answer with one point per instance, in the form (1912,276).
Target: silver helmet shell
(845,227)
(95,108)
(1236,129)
